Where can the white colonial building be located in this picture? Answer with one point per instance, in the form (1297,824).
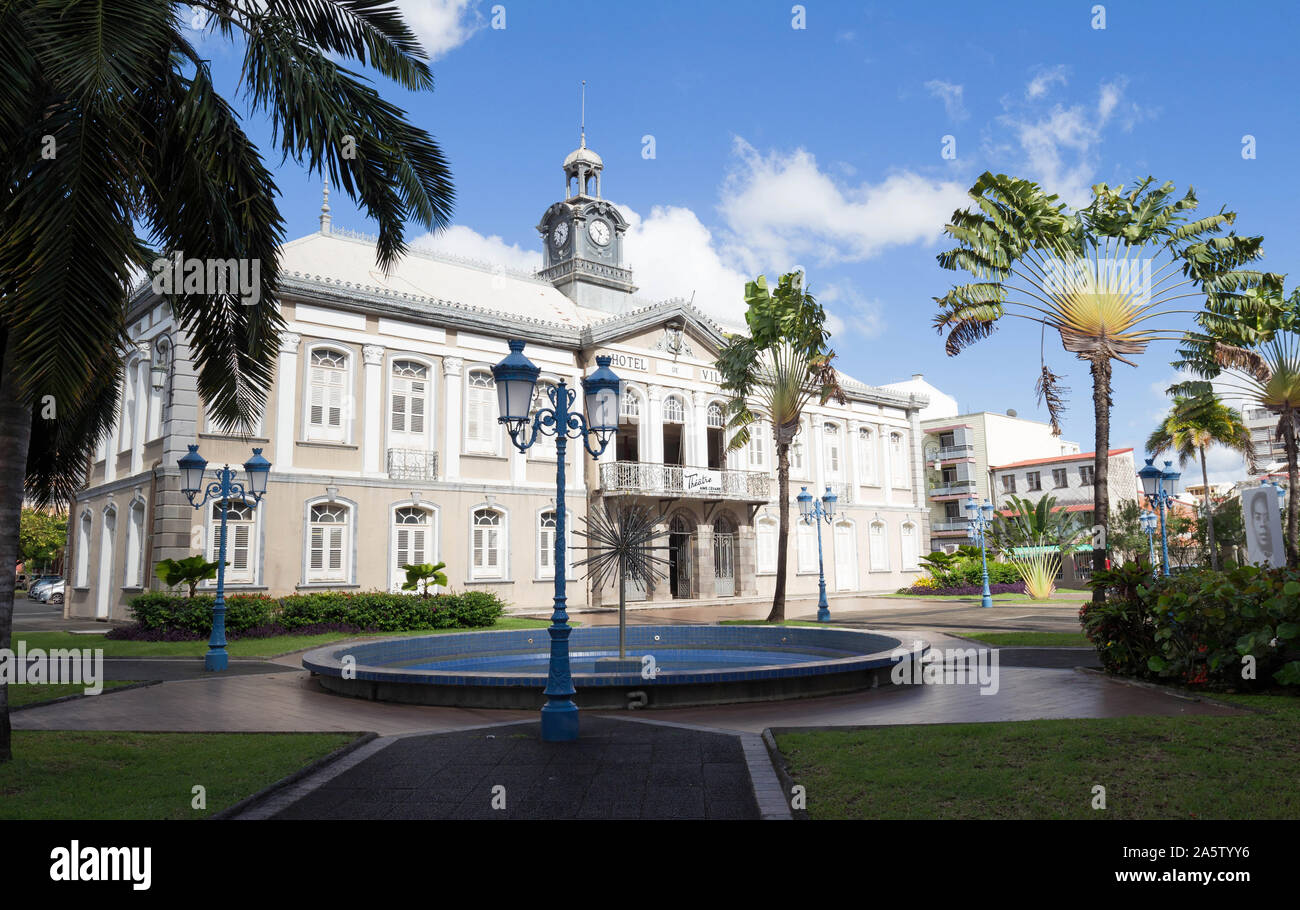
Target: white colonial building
(382,430)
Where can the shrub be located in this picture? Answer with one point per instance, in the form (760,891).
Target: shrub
(1199,627)
(161,610)
(967,570)
(1013,588)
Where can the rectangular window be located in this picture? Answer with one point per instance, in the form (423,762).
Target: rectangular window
(1085,475)
(1034,480)
(806,547)
(1060,478)
(1008,483)
(765,536)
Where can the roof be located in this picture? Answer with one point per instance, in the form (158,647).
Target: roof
(1056,459)
(1072,507)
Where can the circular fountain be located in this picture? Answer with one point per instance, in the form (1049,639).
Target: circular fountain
(674,666)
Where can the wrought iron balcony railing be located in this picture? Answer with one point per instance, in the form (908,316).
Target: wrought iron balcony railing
(684,480)
(412,464)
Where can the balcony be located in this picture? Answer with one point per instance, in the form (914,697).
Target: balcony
(951,452)
(955,488)
(641,478)
(412,464)
(955,524)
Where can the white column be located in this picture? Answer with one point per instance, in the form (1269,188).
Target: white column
(142,397)
(372,442)
(452,369)
(286,401)
(854,451)
(700,434)
(114,436)
(655,405)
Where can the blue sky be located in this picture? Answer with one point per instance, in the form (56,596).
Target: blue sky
(820,146)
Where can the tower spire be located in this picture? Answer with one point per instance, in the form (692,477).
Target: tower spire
(582,128)
(325,209)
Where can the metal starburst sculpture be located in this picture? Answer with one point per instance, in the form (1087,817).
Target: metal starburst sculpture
(622,544)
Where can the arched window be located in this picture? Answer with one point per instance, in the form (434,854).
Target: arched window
(879,547)
(674,410)
(629,406)
(765,536)
(482,432)
(413,541)
(544,446)
(133,566)
(327,395)
(546,545)
(834,457)
(241,542)
(867,453)
(487,527)
(329,550)
(715,418)
(898,459)
(409,399)
(83,551)
(911,553)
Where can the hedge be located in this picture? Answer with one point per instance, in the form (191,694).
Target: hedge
(375,611)
(1238,628)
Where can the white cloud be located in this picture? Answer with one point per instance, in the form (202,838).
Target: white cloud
(459,240)
(780,209)
(672,254)
(441,25)
(1043,81)
(849,313)
(951,96)
(1061,145)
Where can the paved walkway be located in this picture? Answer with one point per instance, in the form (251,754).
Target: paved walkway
(619,769)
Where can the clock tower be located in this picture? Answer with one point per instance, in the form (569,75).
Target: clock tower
(582,239)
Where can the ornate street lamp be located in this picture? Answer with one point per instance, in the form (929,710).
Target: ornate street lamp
(814,511)
(981,519)
(1147,521)
(516,377)
(192,467)
(1160,488)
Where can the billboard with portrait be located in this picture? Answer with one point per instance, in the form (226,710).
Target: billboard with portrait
(1264,542)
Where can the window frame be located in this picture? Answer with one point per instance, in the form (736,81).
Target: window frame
(489,444)
(348,548)
(322,433)
(503,548)
(433,545)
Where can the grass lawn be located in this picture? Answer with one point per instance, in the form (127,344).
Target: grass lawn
(97,775)
(30,695)
(1151,767)
(1040,639)
(246,647)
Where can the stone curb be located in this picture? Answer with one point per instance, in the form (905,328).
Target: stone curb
(776,762)
(268,795)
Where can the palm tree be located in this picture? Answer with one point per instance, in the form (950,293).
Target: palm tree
(1192,426)
(780,366)
(1253,349)
(114,139)
(1100,277)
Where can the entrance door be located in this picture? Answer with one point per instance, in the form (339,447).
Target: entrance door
(679,558)
(846,558)
(724,558)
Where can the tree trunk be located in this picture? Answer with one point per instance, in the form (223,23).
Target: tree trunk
(782,530)
(1101,369)
(1209,516)
(1293,489)
(16,431)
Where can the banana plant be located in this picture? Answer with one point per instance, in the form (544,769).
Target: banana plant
(420,576)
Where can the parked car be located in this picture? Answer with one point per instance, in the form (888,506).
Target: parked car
(54,593)
(39,585)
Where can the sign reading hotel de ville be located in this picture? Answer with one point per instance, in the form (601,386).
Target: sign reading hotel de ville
(701,480)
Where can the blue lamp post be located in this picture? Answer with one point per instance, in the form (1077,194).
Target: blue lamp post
(1160,488)
(814,511)
(1147,521)
(192,466)
(516,378)
(981,518)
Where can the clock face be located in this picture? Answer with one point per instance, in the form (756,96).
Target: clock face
(599,232)
(560,234)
